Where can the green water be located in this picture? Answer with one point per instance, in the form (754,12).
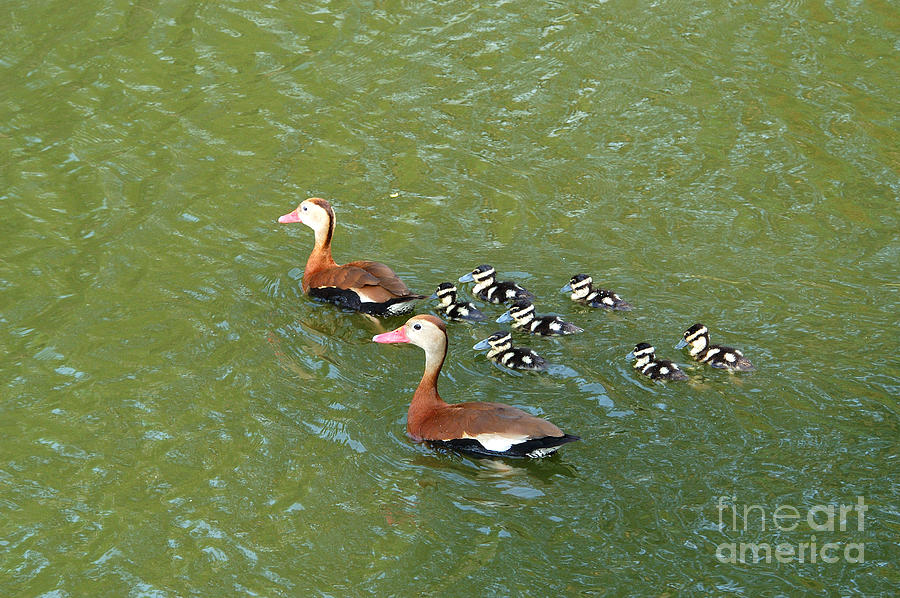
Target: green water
(177,419)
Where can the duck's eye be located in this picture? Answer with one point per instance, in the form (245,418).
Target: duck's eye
(304,208)
(417,327)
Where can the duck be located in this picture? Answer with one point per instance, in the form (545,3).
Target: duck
(649,365)
(501,351)
(365,286)
(718,356)
(481,429)
(582,291)
(521,313)
(487,288)
(453,309)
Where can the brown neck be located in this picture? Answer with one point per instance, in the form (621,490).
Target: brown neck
(320,258)
(426,398)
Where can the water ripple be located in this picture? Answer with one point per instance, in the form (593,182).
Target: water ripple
(183,420)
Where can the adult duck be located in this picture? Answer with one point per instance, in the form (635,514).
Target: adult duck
(369,287)
(488,429)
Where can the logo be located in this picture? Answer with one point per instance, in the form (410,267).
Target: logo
(831,521)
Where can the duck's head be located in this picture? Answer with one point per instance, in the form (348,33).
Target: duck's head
(446,293)
(498,340)
(579,285)
(317,214)
(482,273)
(424,331)
(521,310)
(697,336)
(642,351)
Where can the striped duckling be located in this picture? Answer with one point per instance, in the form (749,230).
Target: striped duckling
(522,315)
(582,290)
(453,309)
(487,288)
(697,336)
(500,350)
(649,365)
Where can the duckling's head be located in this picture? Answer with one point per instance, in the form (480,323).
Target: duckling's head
(522,309)
(317,214)
(446,293)
(697,336)
(499,340)
(579,285)
(644,353)
(580,280)
(641,350)
(483,273)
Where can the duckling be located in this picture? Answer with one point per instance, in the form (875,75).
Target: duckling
(649,365)
(522,311)
(453,309)
(487,288)
(501,351)
(581,287)
(697,336)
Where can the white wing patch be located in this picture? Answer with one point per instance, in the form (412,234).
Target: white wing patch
(497,442)
(710,354)
(363,297)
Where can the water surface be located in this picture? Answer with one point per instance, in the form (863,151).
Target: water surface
(177,419)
